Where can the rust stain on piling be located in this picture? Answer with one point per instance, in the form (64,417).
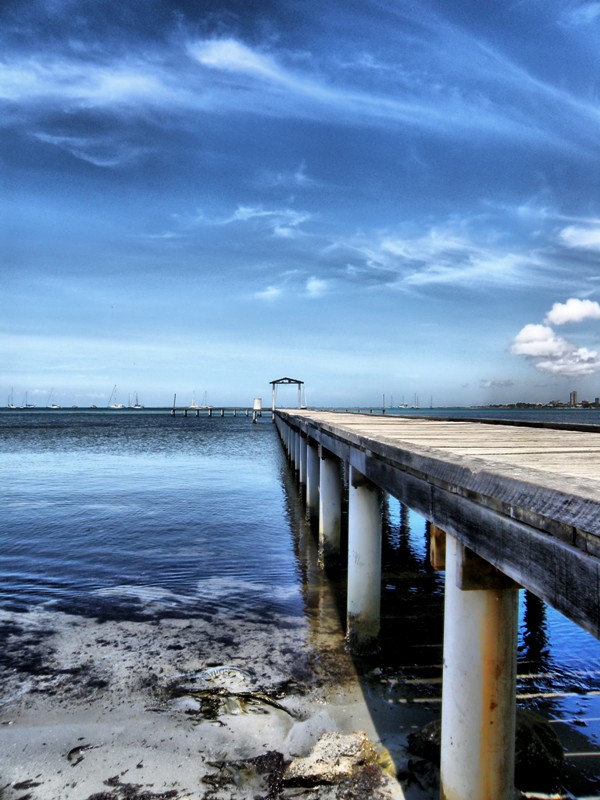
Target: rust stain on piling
(495,748)
(437,547)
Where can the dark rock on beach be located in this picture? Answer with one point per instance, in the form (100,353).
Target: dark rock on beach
(539,756)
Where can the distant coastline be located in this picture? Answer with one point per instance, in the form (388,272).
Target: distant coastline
(365,407)
(584,405)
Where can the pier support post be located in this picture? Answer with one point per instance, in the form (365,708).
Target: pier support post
(296,448)
(299,448)
(330,508)
(479,680)
(302,466)
(364,563)
(312,480)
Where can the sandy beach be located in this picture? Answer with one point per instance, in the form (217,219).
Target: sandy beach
(163,708)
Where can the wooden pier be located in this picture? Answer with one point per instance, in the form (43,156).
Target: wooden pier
(510,507)
(216,411)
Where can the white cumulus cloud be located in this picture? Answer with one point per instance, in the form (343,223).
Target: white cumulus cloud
(578,362)
(573,310)
(553,354)
(539,341)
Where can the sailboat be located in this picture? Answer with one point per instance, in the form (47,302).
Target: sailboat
(205,403)
(26,404)
(52,406)
(303,403)
(137,406)
(116,406)
(9,403)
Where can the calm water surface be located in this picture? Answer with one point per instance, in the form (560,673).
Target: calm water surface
(141,515)
(109,511)
(580,416)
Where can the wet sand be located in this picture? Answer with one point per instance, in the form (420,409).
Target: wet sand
(183,707)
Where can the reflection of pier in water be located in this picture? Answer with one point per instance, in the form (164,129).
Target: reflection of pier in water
(508,518)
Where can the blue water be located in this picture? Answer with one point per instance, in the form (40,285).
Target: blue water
(100,507)
(139,515)
(568,416)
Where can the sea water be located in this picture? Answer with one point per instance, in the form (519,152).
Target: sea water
(137,515)
(115,512)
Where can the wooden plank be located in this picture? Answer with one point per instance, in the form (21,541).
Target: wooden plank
(568,456)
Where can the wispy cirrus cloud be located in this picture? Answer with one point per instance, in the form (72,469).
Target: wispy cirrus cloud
(270,293)
(295,284)
(465,88)
(316,287)
(297,178)
(504,383)
(471,253)
(581,236)
(438,256)
(102,152)
(87,84)
(580,14)
(281,222)
(234,56)
(92,108)
(447,79)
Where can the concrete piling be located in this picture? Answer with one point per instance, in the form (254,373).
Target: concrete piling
(364,563)
(479,685)
(312,480)
(302,468)
(330,507)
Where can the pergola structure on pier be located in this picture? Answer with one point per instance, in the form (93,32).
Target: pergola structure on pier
(284,381)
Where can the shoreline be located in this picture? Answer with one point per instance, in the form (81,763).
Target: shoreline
(104,711)
(172,705)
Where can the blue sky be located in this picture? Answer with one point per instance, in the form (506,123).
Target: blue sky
(375,197)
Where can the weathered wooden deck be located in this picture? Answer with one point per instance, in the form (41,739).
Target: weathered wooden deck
(527,499)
